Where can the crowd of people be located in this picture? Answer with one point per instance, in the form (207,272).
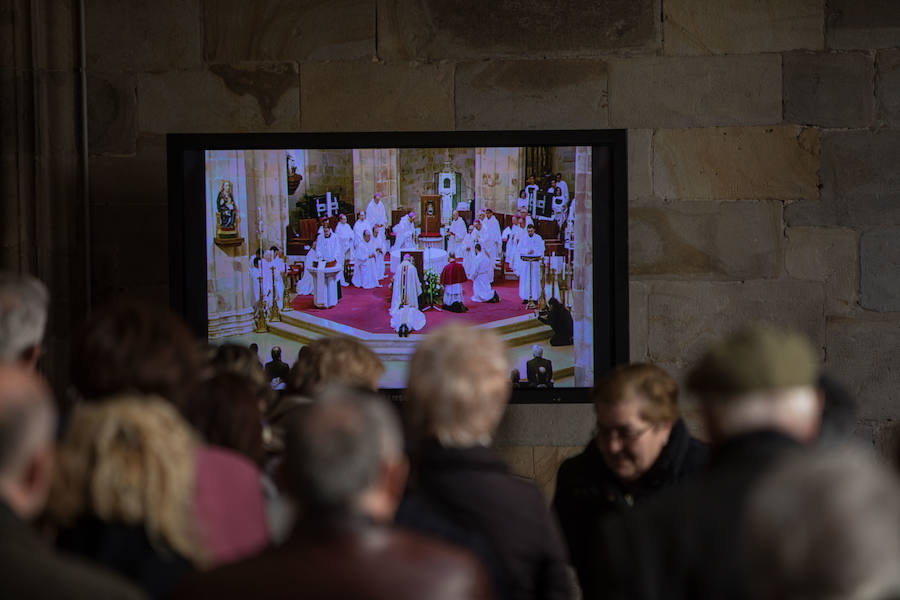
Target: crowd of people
(171,469)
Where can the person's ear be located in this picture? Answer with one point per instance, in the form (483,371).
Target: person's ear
(29,356)
(35,481)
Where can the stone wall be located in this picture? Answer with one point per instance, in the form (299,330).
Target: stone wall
(764,139)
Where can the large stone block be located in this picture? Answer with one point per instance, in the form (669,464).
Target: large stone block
(829,255)
(39,34)
(640,163)
(862,24)
(356,96)
(695,91)
(224,98)
(546,425)
(637,321)
(879,259)
(112,113)
(736,163)
(531,94)
(860,181)
(138,36)
(686,316)
(435,29)
(288,30)
(829,89)
(737,240)
(137,179)
(742,26)
(887,87)
(865,356)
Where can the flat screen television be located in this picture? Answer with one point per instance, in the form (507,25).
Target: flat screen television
(269,243)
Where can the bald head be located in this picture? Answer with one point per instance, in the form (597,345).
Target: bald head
(27,422)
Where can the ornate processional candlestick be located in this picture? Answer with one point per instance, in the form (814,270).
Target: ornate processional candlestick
(259,313)
(274,314)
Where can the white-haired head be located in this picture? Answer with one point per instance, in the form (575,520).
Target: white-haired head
(23,317)
(537,351)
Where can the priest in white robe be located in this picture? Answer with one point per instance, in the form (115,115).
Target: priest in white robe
(522,201)
(364,270)
(508,236)
(482,276)
(255,274)
(330,248)
(490,235)
(375,211)
(525,219)
(380,250)
(305,286)
(531,245)
(404,232)
(345,236)
(456,234)
(563,186)
(405,313)
(468,251)
(274,271)
(361,225)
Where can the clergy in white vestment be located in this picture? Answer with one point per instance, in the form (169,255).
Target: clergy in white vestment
(361,225)
(404,232)
(364,270)
(522,201)
(490,235)
(380,250)
(508,236)
(344,234)
(482,276)
(305,285)
(405,313)
(274,271)
(456,234)
(375,211)
(525,219)
(531,245)
(255,274)
(563,186)
(468,250)
(330,249)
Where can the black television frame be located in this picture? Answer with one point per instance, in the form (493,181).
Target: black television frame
(187,222)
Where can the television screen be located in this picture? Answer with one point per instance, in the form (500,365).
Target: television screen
(385,237)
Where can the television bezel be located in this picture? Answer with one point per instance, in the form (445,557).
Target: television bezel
(187,222)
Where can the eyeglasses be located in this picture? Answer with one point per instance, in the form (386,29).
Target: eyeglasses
(623,434)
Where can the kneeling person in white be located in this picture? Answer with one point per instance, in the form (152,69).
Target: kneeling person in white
(530,250)
(482,276)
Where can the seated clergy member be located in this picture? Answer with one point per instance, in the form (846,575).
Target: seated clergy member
(361,225)
(365,273)
(482,275)
(453,275)
(641,446)
(31,569)
(306,286)
(344,466)
(530,250)
(759,401)
(405,313)
(23,317)
(458,389)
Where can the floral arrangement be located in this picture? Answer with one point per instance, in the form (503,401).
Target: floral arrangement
(433,284)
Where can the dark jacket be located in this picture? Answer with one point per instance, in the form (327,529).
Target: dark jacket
(587,490)
(532,367)
(127,550)
(686,542)
(475,489)
(343,559)
(32,570)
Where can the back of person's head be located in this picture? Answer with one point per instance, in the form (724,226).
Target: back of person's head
(23,318)
(825,525)
(344,454)
(226,410)
(129,459)
(275,352)
(656,391)
(27,422)
(458,386)
(242,362)
(537,351)
(136,348)
(335,360)
(759,378)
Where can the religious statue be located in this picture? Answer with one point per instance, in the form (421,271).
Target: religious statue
(227,217)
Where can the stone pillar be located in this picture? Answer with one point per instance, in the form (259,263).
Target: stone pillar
(583,279)
(497,181)
(42,164)
(376,170)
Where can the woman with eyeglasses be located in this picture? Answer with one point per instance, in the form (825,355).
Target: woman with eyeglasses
(640,446)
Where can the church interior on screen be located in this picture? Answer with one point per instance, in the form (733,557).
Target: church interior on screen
(388,244)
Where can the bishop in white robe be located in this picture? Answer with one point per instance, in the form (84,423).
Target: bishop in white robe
(375,211)
(405,313)
(403,233)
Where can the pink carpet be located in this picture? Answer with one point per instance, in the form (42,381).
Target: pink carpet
(368,309)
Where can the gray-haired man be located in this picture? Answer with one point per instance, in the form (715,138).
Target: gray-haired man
(23,318)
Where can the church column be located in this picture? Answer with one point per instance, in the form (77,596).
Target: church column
(583,280)
(375,170)
(43,163)
(497,180)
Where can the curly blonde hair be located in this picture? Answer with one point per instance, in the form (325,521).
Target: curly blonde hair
(131,460)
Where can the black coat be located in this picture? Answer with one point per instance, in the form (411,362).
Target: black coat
(473,489)
(686,543)
(587,490)
(32,570)
(532,367)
